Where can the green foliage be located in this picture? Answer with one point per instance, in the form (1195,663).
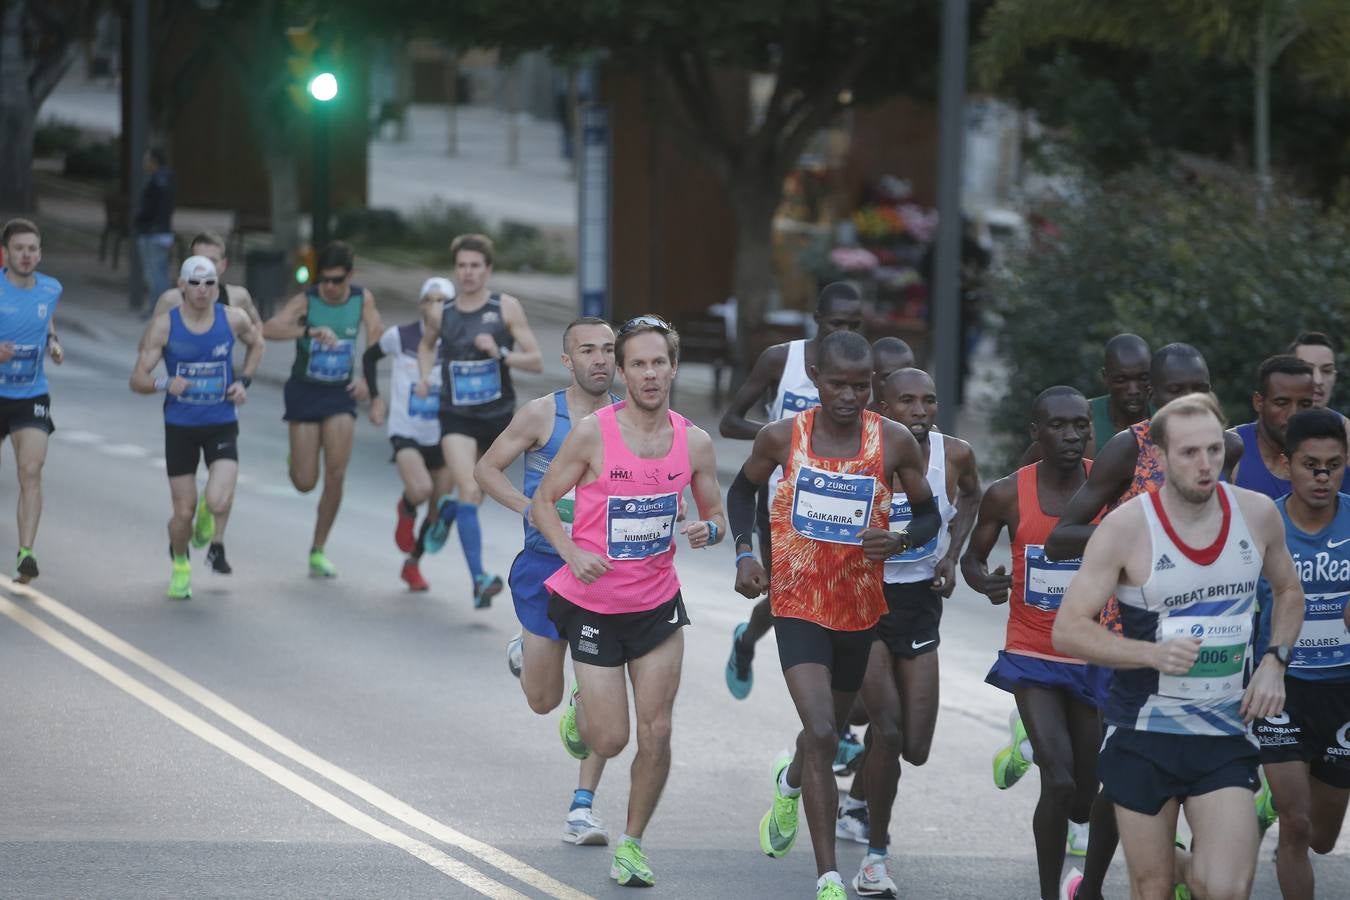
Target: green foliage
(100,161)
(424,237)
(1169,257)
(54,137)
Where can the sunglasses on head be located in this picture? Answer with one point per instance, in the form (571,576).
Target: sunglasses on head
(198,282)
(648,321)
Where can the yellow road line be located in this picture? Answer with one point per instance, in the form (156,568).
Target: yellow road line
(368,792)
(329,803)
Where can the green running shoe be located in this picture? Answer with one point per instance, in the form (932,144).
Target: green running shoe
(831,890)
(567,730)
(630,867)
(25,566)
(180,582)
(1009,763)
(319,566)
(1266,814)
(203,525)
(778,828)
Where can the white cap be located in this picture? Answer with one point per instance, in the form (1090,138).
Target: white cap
(444,285)
(197,267)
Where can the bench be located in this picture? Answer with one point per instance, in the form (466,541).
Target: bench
(703,339)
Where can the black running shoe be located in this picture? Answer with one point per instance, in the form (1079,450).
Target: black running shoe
(215,557)
(27,569)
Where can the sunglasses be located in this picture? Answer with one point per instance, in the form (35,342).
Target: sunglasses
(648,321)
(333,279)
(195,282)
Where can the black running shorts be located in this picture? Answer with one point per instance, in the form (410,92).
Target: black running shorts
(1314,729)
(483,431)
(307,401)
(28,412)
(612,639)
(844,653)
(431,453)
(910,626)
(1142,770)
(185,444)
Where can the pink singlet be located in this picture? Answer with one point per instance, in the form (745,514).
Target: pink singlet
(627,516)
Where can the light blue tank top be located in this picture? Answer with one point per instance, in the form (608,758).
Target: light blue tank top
(206,360)
(1322,652)
(25,315)
(537,463)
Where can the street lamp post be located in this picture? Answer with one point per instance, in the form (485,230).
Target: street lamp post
(323,87)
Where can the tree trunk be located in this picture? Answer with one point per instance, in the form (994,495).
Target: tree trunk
(283,179)
(754,202)
(18,113)
(1261,103)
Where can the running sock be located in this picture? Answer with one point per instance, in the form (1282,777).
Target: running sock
(471,538)
(421,546)
(183,558)
(852,803)
(582,799)
(25,551)
(876,851)
(786,789)
(450,509)
(408,506)
(829,876)
(1027,753)
(629,837)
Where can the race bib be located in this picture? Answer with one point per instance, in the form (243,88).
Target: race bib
(638,527)
(1046,581)
(901,516)
(795,403)
(330,363)
(428,407)
(1323,643)
(206,382)
(474,382)
(1220,669)
(22,368)
(832,506)
(566,507)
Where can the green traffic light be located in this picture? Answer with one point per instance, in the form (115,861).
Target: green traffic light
(302,275)
(323,87)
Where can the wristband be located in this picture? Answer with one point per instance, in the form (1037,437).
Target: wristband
(246,381)
(161,382)
(745,554)
(712,532)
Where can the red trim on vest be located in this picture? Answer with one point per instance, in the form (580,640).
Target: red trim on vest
(1203,556)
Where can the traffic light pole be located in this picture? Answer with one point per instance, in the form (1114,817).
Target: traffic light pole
(318,200)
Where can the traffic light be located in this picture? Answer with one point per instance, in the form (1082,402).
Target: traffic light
(300,61)
(323,86)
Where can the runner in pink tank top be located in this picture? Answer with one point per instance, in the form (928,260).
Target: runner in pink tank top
(616,600)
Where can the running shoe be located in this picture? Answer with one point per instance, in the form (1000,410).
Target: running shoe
(852,825)
(180,582)
(1078,838)
(1009,762)
(1068,888)
(630,867)
(26,567)
(485,587)
(203,525)
(403,531)
(319,566)
(567,729)
(831,890)
(1266,815)
(515,654)
(1181,890)
(740,677)
(444,517)
(849,755)
(583,828)
(874,878)
(413,576)
(215,558)
(778,828)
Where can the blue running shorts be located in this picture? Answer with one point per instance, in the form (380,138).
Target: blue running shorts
(529,594)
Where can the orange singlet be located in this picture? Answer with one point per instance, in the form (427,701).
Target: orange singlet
(816,576)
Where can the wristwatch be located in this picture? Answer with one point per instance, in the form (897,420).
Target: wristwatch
(1281,652)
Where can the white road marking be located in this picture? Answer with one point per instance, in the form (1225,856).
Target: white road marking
(265,735)
(130,451)
(77,437)
(308,790)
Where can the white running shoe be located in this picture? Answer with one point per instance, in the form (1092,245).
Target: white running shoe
(874,878)
(583,828)
(515,654)
(851,825)
(1078,839)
